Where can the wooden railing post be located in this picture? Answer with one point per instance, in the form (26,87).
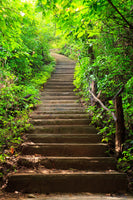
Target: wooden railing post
(118,118)
(120,127)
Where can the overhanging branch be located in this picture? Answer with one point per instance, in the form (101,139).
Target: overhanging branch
(130,25)
(105,108)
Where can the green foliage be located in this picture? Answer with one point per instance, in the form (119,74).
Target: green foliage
(126,162)
(25,65)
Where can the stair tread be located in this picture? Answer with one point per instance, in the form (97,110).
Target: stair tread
(60,120)
(34,157)
(63,144)
(45,172)
(55,116)
(62,135)
(63,126)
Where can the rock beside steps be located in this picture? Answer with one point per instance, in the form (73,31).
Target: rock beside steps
(64,154)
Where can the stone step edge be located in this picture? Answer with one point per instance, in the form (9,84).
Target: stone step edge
(63,138)
(60,105)
(59,97)
(58,117)
(61,115)
(59,112)
(65,126)
(61,127)
(39,159)
(30,144)
(67,163)
(95,182)
(60,120)
(59,82)
(62,101)
(62,135)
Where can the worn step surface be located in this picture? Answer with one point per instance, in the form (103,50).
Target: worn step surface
(59,86)
(58,93)
(47,109)
(65,149)
(65,163)
(62,138)
(59,116)
(59,121)
(59,101)
(63,129)
(60,105)
(94,182)
(63,153)
(54,82)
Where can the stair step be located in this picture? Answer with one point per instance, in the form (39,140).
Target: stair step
(65,149)
(38,122)
(59,116)
(65,163)
(58,90)
(63,79)
(64,72)
(60,105)
(56,108)
(65,93)
(69,182)
(59,112)
(60,101)
(70,66)
(57,93)
(55,82)
(64,68)
(57,86)
(61,97)
(64,138)
(63,129)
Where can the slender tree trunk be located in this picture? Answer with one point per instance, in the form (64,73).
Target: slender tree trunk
(120,127)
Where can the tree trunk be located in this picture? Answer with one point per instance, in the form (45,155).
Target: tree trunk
(120,127)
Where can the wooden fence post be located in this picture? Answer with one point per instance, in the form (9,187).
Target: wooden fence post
(118,118)
(120,127)
(93,89)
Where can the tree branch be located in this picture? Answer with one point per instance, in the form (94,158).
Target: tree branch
(118,93)
(110,2)
(105,108)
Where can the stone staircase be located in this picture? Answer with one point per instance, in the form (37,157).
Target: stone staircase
(64,154)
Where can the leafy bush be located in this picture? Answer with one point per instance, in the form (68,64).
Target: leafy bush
(25,65)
